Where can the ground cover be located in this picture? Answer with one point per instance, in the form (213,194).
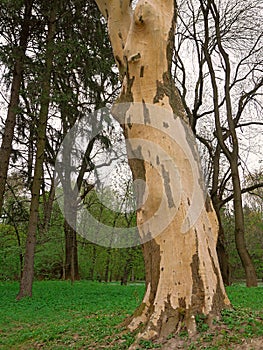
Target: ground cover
(85,315)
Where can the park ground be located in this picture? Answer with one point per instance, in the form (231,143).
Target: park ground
(87,315)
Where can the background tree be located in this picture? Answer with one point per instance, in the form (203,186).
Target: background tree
(80,88)
(77,88)
(15,218)
(11,21)
(229,66)
(28,270)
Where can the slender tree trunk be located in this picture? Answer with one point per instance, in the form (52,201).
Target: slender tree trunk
(70,198)
(232,153)
(21,257)
(93,261)
(247,263)
(48,205)
(220,246)
(6,146)
(222,254)
(182,271)
(28,271)
(127,268)
(71,254)
(70,218)
(107,266)
(70,215)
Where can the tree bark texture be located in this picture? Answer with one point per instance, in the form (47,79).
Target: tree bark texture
(6,146)
(28,270)
(182,271)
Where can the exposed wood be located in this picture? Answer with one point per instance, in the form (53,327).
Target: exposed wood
(176,222)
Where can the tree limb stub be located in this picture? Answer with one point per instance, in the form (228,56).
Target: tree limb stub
(118,14)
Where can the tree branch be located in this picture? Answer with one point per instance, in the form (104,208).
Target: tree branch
(244,190)
(249,123)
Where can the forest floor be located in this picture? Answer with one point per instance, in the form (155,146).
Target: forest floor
(246,344)
(85,315)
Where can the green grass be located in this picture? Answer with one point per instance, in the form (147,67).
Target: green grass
(61,315)
(85,315)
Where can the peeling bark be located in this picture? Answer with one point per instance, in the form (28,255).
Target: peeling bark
(182,272)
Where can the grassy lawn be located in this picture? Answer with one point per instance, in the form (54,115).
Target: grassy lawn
(85,315)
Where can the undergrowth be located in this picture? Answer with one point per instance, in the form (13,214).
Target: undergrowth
(85,315)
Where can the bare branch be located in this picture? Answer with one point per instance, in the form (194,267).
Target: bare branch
(249,123)
(244,190)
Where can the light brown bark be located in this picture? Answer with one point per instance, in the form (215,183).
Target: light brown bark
(182,272)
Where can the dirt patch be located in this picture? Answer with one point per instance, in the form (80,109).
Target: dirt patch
(247,344)
(251,344)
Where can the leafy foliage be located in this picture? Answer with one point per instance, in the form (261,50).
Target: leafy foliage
(254,238)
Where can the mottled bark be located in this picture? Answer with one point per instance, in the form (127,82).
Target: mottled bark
(8,134)
(182,272)
(28,270)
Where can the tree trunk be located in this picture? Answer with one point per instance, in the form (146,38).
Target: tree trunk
(71,255)
(232,152)
(107,265)
(6,146)
(247,263)
(71,270)
(215,196)
(222,254)
(182,272)
(48,201)
(14,223)
(70,217)
(28,271)
(127,267)
(93,262)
